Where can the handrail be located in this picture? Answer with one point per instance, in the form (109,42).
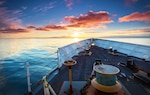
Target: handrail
(47,87)
(139,51)
(135,50)
(67,52)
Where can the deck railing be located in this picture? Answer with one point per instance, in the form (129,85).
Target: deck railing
(139,51)
(67,52)
(135,50)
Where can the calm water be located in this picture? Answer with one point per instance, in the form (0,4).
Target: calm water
(40,54)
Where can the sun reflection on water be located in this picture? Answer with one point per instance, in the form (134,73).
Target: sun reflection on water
(76,40)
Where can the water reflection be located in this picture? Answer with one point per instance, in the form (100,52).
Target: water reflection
(15,53)
(11,47)
(2,81)
(76,40)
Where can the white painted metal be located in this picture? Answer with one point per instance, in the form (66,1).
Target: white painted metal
(28,78)
(139,51)
(47,87)
(67,52)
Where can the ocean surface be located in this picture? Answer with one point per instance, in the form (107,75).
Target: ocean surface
(41,54)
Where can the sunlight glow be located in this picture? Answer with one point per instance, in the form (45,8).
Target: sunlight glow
(75,34)
(76,40)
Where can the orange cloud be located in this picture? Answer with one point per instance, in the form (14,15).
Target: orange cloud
(51,27)
(89,20)
(136,16)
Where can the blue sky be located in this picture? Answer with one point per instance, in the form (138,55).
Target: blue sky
(67,18)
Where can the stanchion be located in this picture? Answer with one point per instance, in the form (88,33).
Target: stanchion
(47,87)
(28,79)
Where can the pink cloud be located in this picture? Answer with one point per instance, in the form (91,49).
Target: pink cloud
(130,2)
(69,3)
(2,2)
(13,30)
(31,27)
(113,15)
(16,12)
(6,21)
(9,23)
(147,6)
(89,20)
(136,16)
(134,1)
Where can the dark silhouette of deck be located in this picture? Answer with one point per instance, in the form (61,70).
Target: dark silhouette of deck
(82,70)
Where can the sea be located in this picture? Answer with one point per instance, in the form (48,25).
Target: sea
(40,54)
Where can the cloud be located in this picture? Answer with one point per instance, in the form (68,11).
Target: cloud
(9,23)
(2,2)
(31,27)
(136,16)
(130,2)
(89,20)
(6,21)
(13,30)
(44,7)
(51,27)
(134,1)
(17,12)
(24,7)
(69,3)
(147,6)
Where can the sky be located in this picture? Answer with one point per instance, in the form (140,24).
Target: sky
(74,18)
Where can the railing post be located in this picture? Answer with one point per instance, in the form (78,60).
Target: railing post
(58,57)
(47,87)
(28,79)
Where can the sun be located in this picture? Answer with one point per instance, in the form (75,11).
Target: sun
(75,34)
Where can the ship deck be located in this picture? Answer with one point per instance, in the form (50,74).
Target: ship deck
(82,71)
